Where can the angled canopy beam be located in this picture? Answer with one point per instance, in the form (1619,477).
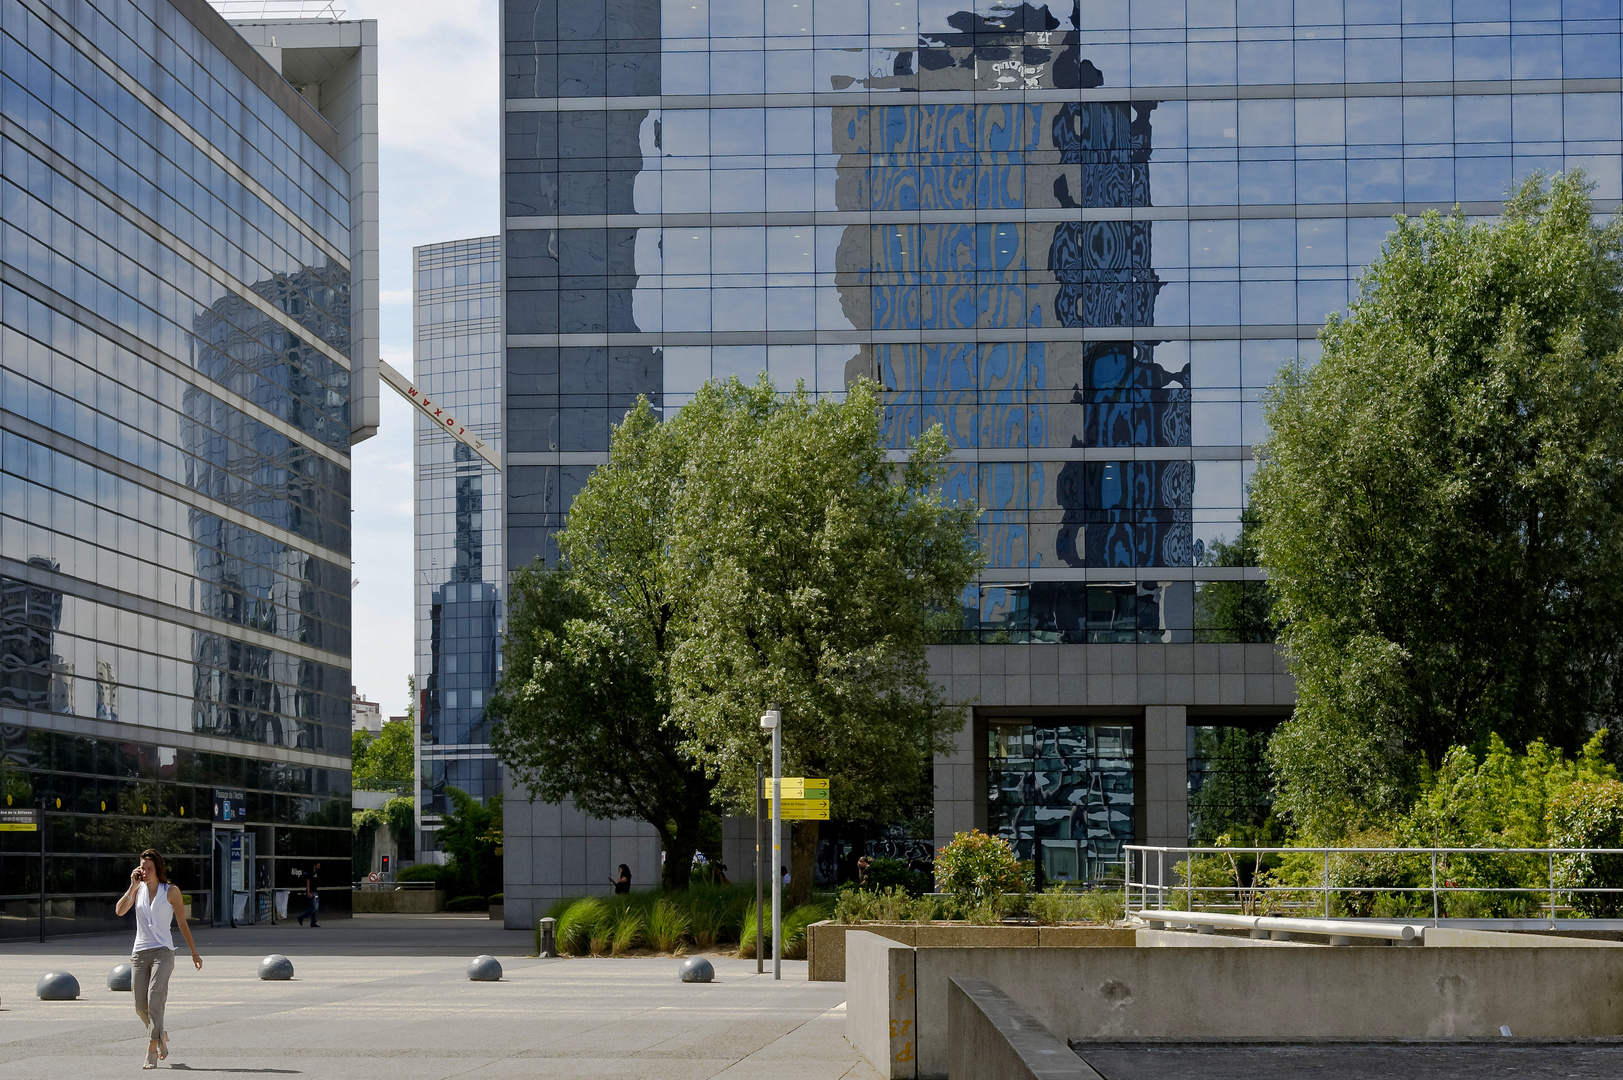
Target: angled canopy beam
(438,414)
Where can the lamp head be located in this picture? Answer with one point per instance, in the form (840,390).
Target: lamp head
(770,720)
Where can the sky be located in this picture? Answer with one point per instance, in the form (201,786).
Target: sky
(438,149)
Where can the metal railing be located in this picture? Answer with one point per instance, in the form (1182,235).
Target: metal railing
(1163,873)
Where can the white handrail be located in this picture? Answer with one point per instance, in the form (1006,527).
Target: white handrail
(1161,887)
(1333,928)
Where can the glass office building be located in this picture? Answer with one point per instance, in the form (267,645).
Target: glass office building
(1080,236)
(461,582)
(174,466)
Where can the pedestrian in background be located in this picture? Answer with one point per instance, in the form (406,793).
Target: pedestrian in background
(622,884)
(311,897)
(157,904)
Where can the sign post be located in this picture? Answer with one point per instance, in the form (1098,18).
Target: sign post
(773,721)
(760,812)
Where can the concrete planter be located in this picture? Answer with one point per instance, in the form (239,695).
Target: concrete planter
(825,941)
(398,901)
(496,912)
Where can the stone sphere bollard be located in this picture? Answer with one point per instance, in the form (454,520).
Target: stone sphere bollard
(276,968)
(697,969)
(120,978)
(57,986)
(484,969)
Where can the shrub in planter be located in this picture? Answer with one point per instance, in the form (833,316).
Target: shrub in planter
(975,868)
(893,905)
(467,903)
(884,874)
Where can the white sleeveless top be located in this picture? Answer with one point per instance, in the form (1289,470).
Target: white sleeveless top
(153,917)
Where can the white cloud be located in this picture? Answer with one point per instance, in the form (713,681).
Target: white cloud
(439,101)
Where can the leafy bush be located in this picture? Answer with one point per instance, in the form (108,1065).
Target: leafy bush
(1104,906)
(884,874)
(1590,814)
(989,911)
(976,867)
(1056,905)
(893,905)
(441,876)
(471,834)
(667,926)
(495,898)
(467,903)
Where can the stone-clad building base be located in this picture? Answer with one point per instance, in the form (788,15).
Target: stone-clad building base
(1161,690)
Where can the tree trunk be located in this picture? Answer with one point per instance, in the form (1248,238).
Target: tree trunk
(802,864)
(677,874)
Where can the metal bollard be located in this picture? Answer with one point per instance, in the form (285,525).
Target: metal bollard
(548,930)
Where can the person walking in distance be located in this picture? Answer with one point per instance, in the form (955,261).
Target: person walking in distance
(157,903)
(312,899)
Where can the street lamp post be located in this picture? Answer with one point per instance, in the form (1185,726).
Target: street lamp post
(773,721)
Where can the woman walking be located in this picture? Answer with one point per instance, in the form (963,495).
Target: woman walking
(157,903)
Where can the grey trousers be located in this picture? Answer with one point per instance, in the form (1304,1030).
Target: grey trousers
(149,978)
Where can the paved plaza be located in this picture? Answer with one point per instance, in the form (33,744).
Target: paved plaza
(388,997)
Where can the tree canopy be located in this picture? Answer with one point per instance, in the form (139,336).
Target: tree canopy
(584,706)
(815,563)
(385,761)
(755,549)
(1441,506)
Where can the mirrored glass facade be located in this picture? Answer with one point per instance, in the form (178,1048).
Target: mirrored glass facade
(460,572)
(1081,237)
(174,464)
(1062,792)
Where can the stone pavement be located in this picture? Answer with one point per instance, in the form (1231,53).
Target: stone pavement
(444,934)
(411,1015)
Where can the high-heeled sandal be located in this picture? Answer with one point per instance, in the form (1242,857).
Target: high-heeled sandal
(163,1046)
(152,1058)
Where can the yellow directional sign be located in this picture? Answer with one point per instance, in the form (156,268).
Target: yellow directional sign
(803,809)
(798,787)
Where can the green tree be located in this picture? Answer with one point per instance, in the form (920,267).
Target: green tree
(1234,611)
(757,548)
(814,563)
(1441,506)
(471,834)
(385,761)
(583,710)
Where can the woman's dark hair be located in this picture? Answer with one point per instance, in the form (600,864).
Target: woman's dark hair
(157,864)
(625,870)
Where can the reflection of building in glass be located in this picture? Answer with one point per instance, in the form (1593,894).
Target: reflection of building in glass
(1081,237)
(32,675)
(1066,790)
(175,431)
(460,567)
